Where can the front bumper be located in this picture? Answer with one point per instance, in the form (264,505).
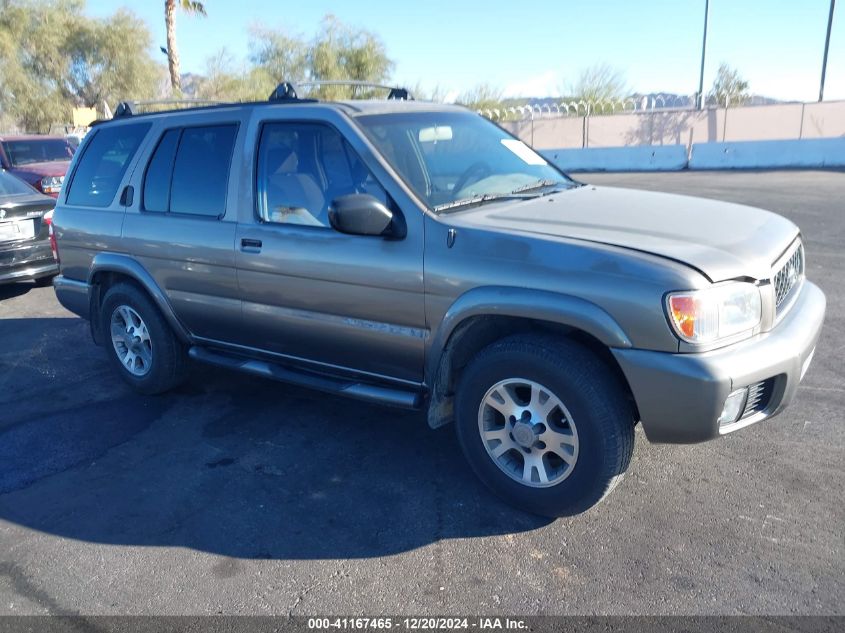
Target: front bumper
(26,260)
(680,396)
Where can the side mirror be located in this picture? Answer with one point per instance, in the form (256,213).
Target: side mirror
(360,214)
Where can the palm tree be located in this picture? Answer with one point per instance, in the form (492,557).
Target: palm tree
(188,6)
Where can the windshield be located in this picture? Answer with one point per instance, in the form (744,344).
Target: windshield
(12,186)
(38,150)
(451,158)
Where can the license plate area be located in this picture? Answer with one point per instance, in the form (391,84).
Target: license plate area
(17,230)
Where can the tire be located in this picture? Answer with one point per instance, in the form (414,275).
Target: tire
(589,426)
(161,360)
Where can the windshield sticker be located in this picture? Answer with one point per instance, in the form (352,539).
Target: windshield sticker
(528,155)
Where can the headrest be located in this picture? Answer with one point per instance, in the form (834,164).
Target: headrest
(281,159)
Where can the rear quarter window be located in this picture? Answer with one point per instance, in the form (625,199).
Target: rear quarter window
(103,164)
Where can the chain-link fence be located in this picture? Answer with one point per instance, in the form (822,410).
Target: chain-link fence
(548,108)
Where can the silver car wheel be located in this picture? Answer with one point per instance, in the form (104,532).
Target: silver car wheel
(528,432)
(131,341)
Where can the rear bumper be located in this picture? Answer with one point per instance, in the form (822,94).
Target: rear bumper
(73,295)
(680,396)
(26,260)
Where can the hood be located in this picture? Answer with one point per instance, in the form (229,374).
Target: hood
(35,171)
(721,239)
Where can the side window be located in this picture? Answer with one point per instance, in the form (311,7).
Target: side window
(160,173)
(103,164)
(189,171)
(302,167)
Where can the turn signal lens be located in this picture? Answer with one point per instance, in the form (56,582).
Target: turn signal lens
(684,313)
(705,316)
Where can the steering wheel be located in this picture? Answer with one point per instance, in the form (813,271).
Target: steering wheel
(479,169)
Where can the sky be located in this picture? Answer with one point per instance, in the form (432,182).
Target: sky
(538,48)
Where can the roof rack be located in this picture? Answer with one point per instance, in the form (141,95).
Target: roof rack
(284,92)
(130,108)
(287,91)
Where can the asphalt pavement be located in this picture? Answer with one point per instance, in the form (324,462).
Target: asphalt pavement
(238,495)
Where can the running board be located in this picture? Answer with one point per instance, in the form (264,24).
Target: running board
(390,396)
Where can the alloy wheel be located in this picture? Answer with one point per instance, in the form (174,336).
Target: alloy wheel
(131,340)
(528,432)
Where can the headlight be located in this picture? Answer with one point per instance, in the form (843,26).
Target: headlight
(52,184)
(706,316)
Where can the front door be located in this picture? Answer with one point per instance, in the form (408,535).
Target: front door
(312,294)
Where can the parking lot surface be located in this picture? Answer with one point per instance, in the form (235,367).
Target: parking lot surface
(238,495)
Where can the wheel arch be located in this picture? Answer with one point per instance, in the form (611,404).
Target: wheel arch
(477,321)
(108,269)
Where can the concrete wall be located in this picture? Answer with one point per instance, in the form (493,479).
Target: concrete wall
(807,153)
(685,127)
(823,120)
(638,158)
(813,153)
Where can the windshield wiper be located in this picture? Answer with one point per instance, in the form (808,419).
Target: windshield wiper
(487,197)
(540,184)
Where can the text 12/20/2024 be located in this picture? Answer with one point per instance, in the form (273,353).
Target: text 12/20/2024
(416,623)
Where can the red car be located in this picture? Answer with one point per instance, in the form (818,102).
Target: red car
(40,161)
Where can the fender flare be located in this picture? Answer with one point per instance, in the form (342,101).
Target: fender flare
(538,305)
(132,268)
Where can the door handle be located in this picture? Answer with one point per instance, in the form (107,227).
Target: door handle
(250,245)
(127,196)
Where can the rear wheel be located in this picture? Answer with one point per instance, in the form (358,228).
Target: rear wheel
(143,348)
(544,424)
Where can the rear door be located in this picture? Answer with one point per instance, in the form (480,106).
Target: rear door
(311,294)
(181,223)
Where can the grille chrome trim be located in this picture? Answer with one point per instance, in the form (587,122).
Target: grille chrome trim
(788,274)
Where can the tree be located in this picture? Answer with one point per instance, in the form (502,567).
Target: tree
(283,56)
(600,82)
(188,6)
(437,94)
(342,52)
(729,88)
(223,81)
(30,66)
(481,97)
(53,58)
(336,52)
(104,63)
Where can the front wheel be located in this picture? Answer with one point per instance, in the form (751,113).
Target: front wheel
(544,424)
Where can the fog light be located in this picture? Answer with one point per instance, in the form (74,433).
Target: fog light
(733,406)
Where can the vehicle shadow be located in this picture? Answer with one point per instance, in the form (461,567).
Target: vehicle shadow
(228,463)
(17,289)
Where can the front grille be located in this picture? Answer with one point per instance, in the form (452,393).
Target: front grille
(789,275)
(759,395)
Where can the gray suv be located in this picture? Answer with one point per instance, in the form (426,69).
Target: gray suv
(417,255)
